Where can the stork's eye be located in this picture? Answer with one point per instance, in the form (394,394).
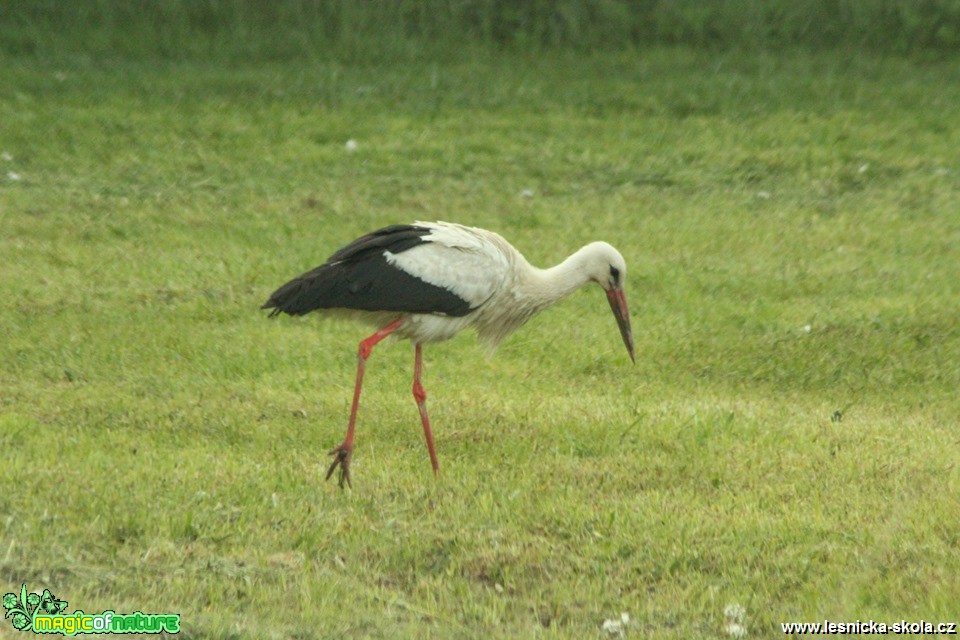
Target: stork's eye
(614,274)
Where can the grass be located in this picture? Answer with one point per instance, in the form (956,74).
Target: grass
(787,440)
(239,30)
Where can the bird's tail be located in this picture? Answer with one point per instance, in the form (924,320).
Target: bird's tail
(274,304)
(290,298)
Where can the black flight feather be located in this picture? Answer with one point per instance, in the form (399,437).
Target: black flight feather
(359,277)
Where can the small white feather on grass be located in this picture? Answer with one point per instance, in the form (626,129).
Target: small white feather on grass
(617,627)
(734,615)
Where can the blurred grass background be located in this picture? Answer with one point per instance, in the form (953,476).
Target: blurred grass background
(346,30)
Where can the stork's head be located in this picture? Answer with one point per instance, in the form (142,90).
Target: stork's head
(606,267)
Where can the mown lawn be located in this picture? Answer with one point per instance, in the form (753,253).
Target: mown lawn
(787,441)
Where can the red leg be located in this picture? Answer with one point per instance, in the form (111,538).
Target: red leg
(341,454)
(421,397)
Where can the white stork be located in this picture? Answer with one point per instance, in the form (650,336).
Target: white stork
(430,280)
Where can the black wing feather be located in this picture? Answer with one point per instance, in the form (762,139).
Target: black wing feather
(359,277)
(395,238)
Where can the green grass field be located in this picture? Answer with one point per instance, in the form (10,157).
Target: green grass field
(787,441)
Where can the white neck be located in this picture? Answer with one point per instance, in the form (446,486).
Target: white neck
(532,291)
(547,286)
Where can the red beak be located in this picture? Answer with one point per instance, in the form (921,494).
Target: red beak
(618,303)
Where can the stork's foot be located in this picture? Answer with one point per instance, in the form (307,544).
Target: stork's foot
(341,458)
